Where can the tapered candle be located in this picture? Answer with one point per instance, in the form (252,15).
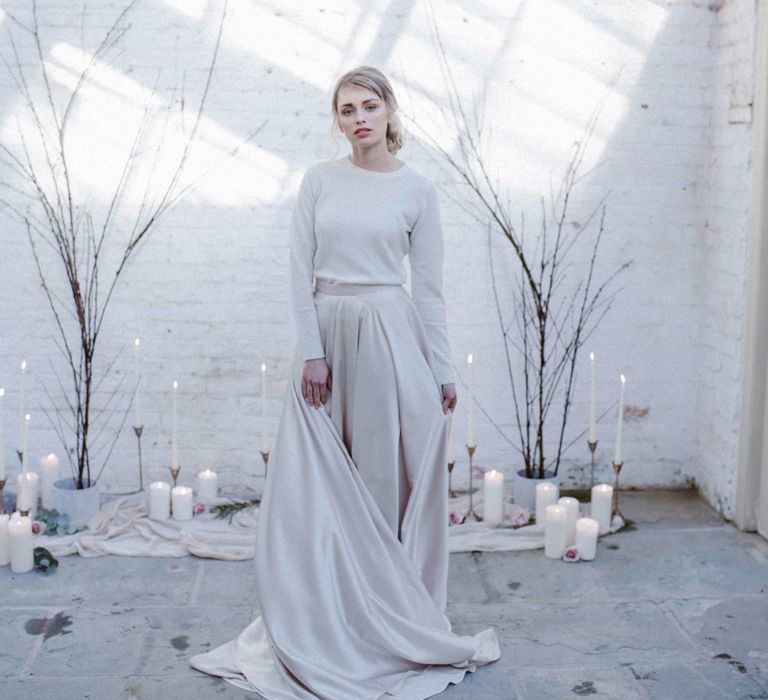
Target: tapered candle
(471,406)
(555,531)
(586,538)
(22,401)
(137,418)
(20,543)
(592,386)
(2,437)
(493,496)
(175,430)
(450,456)
(264,431)
(620,422)
(601,505)
(24,441)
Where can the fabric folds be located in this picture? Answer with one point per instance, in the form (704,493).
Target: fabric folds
(351,546)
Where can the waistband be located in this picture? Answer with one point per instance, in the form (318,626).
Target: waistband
(345,288)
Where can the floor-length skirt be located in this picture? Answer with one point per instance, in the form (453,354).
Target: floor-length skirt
(351,549)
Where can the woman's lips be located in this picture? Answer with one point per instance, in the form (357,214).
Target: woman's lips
(363,132)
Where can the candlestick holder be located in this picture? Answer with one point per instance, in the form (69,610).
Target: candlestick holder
(615,510)
(471,450)
(20,454)
(175,474)
(592,444)
(2,498)
(265,457)
(451,492)
(24,513)
(138,430)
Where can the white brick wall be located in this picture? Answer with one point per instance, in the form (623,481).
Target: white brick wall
(207,293)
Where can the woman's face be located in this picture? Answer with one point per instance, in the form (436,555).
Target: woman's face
(362,116)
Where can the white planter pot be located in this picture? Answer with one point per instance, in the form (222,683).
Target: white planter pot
(79,504)
(525,488)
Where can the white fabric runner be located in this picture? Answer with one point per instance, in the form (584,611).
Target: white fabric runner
(123,526)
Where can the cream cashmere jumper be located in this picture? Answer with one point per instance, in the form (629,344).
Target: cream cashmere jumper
(351,224)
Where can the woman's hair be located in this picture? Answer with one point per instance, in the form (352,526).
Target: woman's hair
(372,79)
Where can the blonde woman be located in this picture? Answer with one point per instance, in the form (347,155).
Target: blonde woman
(351,550)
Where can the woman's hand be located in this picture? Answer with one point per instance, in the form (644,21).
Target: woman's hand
(316,381)
(449,397)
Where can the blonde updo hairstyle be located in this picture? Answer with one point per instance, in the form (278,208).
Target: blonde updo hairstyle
(372,79)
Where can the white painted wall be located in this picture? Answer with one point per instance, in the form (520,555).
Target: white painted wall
(208,292)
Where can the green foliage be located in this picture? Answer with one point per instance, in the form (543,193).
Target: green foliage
(45,561)
(224,510)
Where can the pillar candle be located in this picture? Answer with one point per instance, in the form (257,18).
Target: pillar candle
(159,500)
(264,431)
(49,472)
(20,543)
(28,485)
(571,506)
(181,499)
(175,430)
(620,423)
(555,531)
(586,538)
(546,495)
(5,547)
(493,496)
(471,405)
(207,485)
(137,418)
(592,387)
(2,437)
(601,506)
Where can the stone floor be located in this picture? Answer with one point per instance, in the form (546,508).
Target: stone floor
(673,608)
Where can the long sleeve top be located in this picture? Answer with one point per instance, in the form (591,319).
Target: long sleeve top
(351,224)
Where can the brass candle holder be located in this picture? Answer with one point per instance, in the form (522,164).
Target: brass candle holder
(265,457)
(615,511)
(471,450)
(24,513)
(451,492)
(20,454)
(175,474)
(592,444)
(138,430)
(2,498)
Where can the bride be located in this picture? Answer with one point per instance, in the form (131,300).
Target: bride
(352,541)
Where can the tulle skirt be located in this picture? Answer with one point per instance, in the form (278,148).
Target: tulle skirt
(352,541)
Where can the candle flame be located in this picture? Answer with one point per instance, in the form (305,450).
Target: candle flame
(136,342)
(469,358)
(592,356)
(2,392)
(27,417)
(263,367)
(51,455)
(623,379)
(175,384)
(23,365)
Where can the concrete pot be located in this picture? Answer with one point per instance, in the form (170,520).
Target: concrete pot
(79,504)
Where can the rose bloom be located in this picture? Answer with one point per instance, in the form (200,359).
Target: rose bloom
(38,528)
(453,519)
(199,508)
(571,554)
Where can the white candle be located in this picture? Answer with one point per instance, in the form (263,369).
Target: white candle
(450,455)
(2,437)
(175,430)
(22,401)
(571,506)
(49,472)
(20,543)
(471,405)
(546,495)
(181,498)
(620,422)
(264,431)
(555,531)
(592,387)
(207,485)
(159,500)
(601,506)
(28,490)
(586,538)
(493,496)
(24,441)
(5,545)
(137,419)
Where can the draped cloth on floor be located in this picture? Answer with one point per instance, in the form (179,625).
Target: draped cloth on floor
(351,547)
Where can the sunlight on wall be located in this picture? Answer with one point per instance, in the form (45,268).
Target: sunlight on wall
(106,119)
(194,9)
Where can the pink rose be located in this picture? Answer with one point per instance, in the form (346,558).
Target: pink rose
(453,519)
(38,528)
(199,508)
(521,518)
(571,554)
